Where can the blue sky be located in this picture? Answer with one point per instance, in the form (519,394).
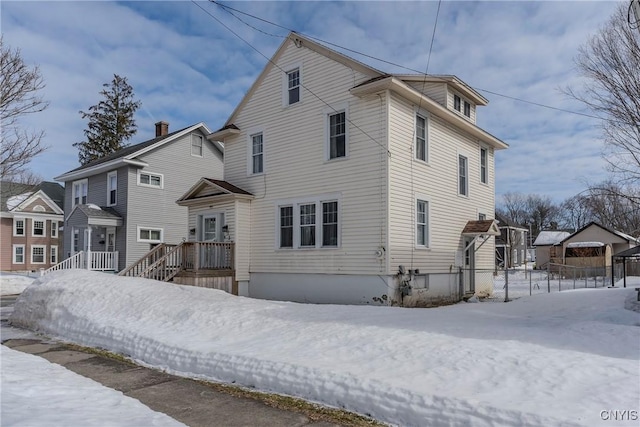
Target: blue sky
(185,67)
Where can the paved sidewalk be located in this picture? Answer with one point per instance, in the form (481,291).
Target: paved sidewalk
(191,402)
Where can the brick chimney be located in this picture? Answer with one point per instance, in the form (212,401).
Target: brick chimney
(162,128)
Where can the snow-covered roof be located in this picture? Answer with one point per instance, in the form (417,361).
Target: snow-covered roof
(550,237)
(585,245)
(14,201)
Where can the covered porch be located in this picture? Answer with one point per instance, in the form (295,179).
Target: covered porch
(92,234)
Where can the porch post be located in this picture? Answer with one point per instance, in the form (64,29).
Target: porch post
(89,229)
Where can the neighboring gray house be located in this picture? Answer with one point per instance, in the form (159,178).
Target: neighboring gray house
(120,206)
(511,245)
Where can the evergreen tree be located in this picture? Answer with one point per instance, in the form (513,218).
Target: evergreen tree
(111,121)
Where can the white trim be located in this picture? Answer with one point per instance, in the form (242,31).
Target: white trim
(39,208)
(44,253)
(317,201)
(53,249)
(109,189)
(140,228)
(14,254)
(427,119)
(486,166)
(250,134)
(342,107)
(466,157)
(54,235)
(33,228)
(24,227)
(285,83)
(195,135)
(426,199)
(151,174)
(84,193)
(44,197)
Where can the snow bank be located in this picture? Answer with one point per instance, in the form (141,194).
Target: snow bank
(38,393)
(555,359)
(11,284)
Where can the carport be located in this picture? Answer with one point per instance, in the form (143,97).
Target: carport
(625,257)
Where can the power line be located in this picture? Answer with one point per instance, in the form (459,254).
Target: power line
(283,71)
(399,65)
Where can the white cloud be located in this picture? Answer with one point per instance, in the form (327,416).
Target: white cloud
(186,68)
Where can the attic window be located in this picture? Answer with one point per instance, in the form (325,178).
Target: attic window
(467,109)
(293,86)
(456,102)
(196,145)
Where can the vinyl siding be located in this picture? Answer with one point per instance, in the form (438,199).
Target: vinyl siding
(157,208)
(435,91)
(438,183)
(296,166)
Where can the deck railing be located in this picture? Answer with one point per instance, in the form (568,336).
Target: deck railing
(99,261)
(136,269)
(165,261)
(207,255)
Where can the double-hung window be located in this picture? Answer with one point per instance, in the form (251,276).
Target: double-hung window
(18,227)
(54,228)
(79,190)
(330,224)
(286,226)
(53,255)
(38,228)
(112,188)
(257,153)
(293,86)
(18,254)
(421,138)
(422,223)
(196,145)
(37,254)
(337,135)
(467,109)
(309,224)
(149,179)
(483,165)
(463,175)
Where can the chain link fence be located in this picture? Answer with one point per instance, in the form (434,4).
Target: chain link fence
(516,283)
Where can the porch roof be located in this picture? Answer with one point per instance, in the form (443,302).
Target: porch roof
(96,215)
(481,227)
(207,188)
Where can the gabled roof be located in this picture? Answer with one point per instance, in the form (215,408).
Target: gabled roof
(548,238)
(129,154)
(52,193)
(208,187)
(453,81)
(98,215)
(629,239)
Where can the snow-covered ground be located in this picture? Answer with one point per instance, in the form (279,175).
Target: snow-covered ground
(38,393)
(11,284)
(568,358)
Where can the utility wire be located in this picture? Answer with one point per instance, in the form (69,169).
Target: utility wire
(401,66)
(283,71)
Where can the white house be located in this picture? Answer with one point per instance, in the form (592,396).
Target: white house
(343,184)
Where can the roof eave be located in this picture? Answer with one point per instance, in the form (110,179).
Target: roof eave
(221,134)
(396,85)
(103,167)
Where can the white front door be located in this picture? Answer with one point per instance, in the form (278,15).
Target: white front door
(210,228)
(211,231)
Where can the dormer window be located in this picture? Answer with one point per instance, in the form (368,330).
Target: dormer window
(467,109)
(456,102)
